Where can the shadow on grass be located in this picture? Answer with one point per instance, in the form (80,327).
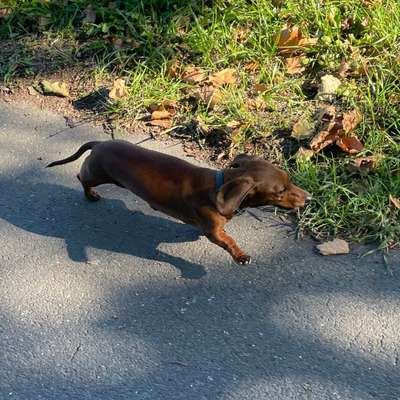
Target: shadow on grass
(47,37)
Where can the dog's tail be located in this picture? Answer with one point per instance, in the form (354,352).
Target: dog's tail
(82,149)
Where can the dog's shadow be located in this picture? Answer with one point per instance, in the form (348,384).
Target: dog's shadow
(62,212)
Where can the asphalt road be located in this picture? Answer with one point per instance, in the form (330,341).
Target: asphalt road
(112,300)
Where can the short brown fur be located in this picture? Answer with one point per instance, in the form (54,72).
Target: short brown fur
(185,191)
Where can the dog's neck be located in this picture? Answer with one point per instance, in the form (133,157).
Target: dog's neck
(219,179)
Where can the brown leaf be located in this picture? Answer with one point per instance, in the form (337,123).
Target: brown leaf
(303,154)
(241,33)
(160,114)
(260,87)
(294,65)
(325,113)
(288,39)
(351,119)
(233,124)
(118,90)
(250,67)
(363,165)
(307,42)
(302,129)
(347,24)
(350,144)
(395,201)
(209,95)
(256,104)
(323,139)
(337,246)
(5,11)
(343,68)
(174,68)
(192,74)
(163,123)
(90,15)
(226,76)
(327,136)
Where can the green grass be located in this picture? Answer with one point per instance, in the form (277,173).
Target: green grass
(224,33)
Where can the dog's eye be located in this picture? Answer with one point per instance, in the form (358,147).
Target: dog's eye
(235,165)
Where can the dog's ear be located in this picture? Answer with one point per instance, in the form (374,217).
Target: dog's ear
(232,193)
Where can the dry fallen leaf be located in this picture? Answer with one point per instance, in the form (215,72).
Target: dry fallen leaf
(294,65)
(163,123)
(5,11)
(395,201)
(226,76)
(325,113)
(209,95)
(233,124)
(303,154)
(192,74)
(334,126)
(302,129)
(55,88)
(328,88)
(363,165)
(256,104)
(174,68)
(250,67)
(288,39)
(90,15)
(118,91)
(347,23)
(350,144)
(307,42)
(241,33)
(343,68)
(160,114)
(351,119)
(260,87)
(323,139)
(327,136)
(337,246)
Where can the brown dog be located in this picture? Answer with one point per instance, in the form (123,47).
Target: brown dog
(195,195)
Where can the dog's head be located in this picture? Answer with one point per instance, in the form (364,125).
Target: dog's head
(253,182)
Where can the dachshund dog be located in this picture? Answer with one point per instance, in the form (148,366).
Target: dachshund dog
(195,195)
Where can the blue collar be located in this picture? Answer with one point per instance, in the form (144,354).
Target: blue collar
(219,179)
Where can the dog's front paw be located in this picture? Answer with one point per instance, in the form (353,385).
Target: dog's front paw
(243,260)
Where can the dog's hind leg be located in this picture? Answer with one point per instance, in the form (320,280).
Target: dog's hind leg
(90,194)
(88,182)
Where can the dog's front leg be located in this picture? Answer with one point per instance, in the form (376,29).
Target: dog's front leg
(222,239)
(213,228)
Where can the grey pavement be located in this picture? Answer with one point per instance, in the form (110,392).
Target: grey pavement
(112,300)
